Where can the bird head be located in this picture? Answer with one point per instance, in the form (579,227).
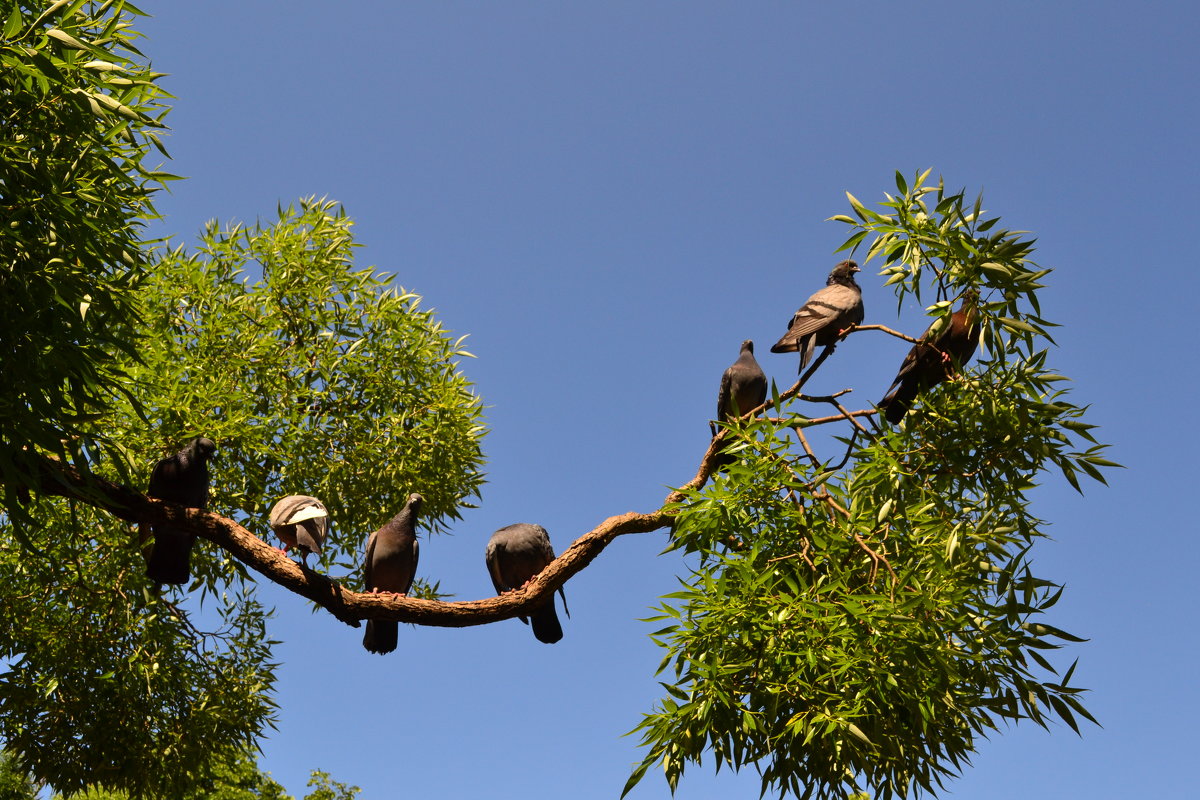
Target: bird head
(203,448)
(843,273)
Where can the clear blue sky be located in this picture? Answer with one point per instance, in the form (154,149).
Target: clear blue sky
(608,198)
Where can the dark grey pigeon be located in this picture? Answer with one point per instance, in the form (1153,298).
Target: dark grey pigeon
(390,566)
(743,386)
(515,554)
(181,479)
(301,522)
(823,317)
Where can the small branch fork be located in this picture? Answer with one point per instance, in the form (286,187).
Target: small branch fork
(58,478)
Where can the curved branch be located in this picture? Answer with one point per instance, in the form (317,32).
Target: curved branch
(59,478)
(348,606)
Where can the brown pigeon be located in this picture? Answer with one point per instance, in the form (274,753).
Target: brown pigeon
(181,479)
(390,565)
(515,554)
(301,522)
(743,388)
(929,363)
(825,315)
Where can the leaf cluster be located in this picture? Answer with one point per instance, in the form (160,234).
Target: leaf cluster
(238,778)
(86,642)
(313,377)
(81,115)
(863,625)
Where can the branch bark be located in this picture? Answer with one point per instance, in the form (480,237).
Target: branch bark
(348,606)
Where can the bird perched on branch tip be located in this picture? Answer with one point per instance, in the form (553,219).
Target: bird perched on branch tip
(825,316)
(929,363)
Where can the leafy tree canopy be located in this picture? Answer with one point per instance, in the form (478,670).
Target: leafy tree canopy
(81,116)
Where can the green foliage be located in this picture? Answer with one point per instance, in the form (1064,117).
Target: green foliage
(15,784)
(106,682)
(864,626)
(313,377)
(325,788)
(238,779)
(80,116)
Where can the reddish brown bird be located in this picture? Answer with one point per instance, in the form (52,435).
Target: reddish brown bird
(929,363)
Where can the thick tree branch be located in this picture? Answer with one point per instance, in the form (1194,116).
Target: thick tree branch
(351,607)
(348,606)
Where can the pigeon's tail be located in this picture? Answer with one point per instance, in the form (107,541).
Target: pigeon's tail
(723,459)
(306,540)
(380,637)
(807,346)
(545,624)
(169,557)
(897,403)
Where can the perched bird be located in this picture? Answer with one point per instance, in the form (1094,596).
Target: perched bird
(181,479)
(825,315)
(929,363)
(390,565)
(743,388)
(515,554)
(301,522)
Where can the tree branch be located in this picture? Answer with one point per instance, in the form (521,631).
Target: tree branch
(59,478)
(886,329)
(350,607)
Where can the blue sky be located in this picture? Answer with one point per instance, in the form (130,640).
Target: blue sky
(608,198)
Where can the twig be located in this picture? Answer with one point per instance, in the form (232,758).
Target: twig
(808,423)
(886,329)
(799,431)
(876,558)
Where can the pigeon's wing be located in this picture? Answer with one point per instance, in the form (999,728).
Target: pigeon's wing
(407,570)
(493,555)
(369,562)
(163,478)
(724,395)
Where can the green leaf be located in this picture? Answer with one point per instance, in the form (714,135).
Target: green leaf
(66,38)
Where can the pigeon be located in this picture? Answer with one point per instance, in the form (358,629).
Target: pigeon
(743,388)
(181,479)
(390,565)
(928,364)
(825,315)
(515,554)
(301,522)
